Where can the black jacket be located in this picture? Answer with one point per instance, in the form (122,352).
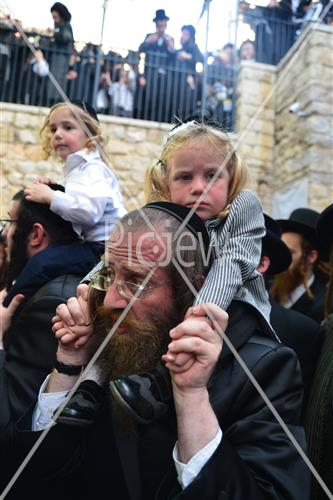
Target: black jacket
(313,307)
(48,279)
(255,460)
(300,333)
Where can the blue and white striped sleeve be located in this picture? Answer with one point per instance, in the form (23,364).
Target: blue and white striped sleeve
(238,251)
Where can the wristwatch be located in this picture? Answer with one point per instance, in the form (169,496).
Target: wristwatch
(68,369)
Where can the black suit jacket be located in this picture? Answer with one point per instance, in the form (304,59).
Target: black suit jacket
(300,333)
(313,307)
(30,348)
(255,460)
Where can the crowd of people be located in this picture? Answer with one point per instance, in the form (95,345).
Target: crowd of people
(156,82)
(124,336)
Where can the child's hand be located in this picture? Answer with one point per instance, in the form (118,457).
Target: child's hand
(72,324)
(41,193)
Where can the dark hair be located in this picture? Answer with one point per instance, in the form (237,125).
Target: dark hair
(62,11)
(190,29)
(29,213)
(228,46)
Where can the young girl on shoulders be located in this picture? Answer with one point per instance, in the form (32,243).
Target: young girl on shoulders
(199,168)
(92,200)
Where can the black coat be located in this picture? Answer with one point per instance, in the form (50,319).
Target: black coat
(255,460)
(313,307)
(48,279)
(319,416)
(300,333)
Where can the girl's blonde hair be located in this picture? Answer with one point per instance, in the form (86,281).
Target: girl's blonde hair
(156,178)
(92,125)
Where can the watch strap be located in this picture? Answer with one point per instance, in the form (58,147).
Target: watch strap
(68,369)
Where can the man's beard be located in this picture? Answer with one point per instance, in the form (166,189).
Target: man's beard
(286,282)
(17,259)
(137,350)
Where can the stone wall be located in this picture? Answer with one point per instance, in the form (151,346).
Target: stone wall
(290,154)
(284,152)
(131,146)
(303,145)
(255,125)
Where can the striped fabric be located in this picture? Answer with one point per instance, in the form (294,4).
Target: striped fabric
(237,245)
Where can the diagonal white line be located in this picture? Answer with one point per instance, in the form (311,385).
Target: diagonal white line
(259,389)
(75,113)
(249,374)
(73,389)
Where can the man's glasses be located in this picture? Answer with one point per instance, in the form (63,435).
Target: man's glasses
(5,223)
(125,288)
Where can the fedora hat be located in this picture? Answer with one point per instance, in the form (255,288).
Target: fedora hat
(302,221)
(325,231)
(160,16)
(274,248)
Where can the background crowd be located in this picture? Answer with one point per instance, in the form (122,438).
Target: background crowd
(173,78)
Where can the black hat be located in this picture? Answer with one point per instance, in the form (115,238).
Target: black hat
(325,231)
(274,247)
(194,223)
(62,11)
(160,16)
(302,221)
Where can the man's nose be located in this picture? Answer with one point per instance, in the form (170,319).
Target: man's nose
(113,300)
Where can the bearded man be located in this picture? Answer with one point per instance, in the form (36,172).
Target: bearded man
(217,438)
(47,262)
(301,287)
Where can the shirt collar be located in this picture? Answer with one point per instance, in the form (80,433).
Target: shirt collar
(298,292)
(75,159)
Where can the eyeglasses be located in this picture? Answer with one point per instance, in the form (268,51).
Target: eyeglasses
(126,289)
(4,223)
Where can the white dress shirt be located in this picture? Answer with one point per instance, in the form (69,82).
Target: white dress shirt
(49,402)
(297,293)
(92,201)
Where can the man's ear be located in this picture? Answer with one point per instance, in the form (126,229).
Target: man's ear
(38,236)
(202,278)
(264,264)
(313,256)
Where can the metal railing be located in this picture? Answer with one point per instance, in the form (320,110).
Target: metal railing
(149,86)
(145,86)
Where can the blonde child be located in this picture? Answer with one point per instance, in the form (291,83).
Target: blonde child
(200,169)
(92,200)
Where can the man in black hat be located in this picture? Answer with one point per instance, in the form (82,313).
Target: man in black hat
(293,328)
(319,414)
(226,438)
(154,86)
(301,287)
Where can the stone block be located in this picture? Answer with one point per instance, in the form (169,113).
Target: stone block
(156,136)
(114,131)
(27,136)
(118,147)
(134,134)
(28,120)
(148,149)
(7,133)
(6,117)
(15,178)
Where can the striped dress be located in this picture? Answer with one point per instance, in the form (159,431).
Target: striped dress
(236,242)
